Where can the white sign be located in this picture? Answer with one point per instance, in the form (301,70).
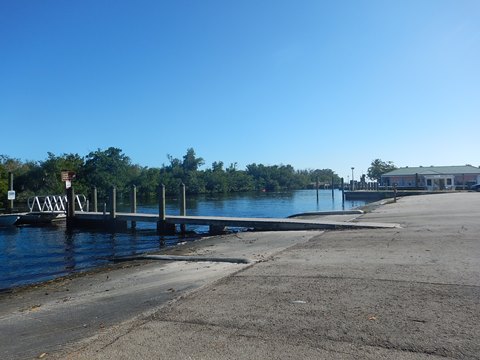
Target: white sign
(11,195)
(68,184)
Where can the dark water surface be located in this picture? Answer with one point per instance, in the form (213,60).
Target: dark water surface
(31,254)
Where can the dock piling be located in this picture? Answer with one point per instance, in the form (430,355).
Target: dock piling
(162,226)
(70,204)
(113,202)
(183,206)
(133,204)
(333,188)
(94,199)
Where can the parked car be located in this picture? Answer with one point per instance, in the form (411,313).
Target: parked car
(475,187)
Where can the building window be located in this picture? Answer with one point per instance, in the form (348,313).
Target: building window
(449,182)
(429,182)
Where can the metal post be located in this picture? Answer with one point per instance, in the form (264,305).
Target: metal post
(10,188)
(133,204)
(343,190)
(394,192)
(183,206)
(113,202)
(95,199)
(316,186)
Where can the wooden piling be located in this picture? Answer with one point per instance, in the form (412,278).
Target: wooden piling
(70,204)
(333,188)
(133,204)
(94,199)
(113,202)
(161,203)
(183,207)
(162,227)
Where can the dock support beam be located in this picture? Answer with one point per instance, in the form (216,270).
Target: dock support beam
(217,229)
(183,207)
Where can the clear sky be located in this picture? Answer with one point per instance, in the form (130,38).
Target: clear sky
(311,83)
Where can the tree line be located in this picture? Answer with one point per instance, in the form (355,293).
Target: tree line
(111,167)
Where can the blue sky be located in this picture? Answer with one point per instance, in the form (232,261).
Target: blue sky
(314,84)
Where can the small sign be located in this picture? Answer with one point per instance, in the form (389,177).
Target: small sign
(11,195)
(68,175)
(68,184)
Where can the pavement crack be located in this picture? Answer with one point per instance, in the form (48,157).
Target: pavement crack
(127,331)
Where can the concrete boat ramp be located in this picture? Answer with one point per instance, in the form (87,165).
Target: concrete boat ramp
(411,294)
(218,223)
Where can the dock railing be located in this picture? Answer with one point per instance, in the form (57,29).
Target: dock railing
(55,203)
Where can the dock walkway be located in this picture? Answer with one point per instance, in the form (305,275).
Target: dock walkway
(264,224)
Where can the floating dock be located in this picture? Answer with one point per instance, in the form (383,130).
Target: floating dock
(219,223)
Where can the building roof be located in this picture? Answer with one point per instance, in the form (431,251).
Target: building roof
(434,170)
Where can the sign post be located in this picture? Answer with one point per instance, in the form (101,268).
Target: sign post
(67,177)
(11,195)
(11,192)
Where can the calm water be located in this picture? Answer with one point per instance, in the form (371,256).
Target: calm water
(31,254)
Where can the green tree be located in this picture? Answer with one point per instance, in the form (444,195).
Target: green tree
(52,168)
(107,168)
(190,161)
(147,182)
(239,181)
(378,168)
(28,180)
(216,180)
(324,176)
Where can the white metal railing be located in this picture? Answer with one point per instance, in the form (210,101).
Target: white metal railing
(55,203)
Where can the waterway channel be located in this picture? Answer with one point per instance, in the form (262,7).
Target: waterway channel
(30,254)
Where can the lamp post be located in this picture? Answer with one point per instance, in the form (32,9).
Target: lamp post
(353,180)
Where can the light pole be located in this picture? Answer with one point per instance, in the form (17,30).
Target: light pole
(353,180)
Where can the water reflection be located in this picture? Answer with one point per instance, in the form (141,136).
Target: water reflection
(69,254)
